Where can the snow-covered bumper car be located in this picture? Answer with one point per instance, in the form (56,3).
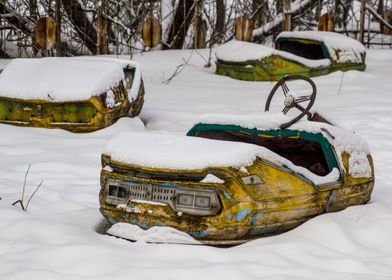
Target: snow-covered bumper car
(309,53)
(77,94)
(234,178)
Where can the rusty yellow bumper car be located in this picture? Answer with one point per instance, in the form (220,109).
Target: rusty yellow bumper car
(76,94)
(308,53)
(235,178)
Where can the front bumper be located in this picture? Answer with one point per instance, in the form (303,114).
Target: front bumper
(83,116)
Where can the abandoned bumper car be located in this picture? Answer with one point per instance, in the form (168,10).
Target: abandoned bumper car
(234,178)
(76,94)
(309,53)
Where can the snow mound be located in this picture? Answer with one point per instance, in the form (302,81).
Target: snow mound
(174,152)
(343,140)
(59,79)
(152,235)
(237,51)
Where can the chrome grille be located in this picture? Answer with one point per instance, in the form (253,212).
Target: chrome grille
(140,192)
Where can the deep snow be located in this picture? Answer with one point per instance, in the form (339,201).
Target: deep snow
(57,238)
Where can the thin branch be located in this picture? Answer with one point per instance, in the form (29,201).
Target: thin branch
(24,182)
(178,70)
(32,195)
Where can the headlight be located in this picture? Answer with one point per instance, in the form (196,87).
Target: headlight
(202,201)
(185,199)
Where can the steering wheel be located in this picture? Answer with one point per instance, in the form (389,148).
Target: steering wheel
(291,100)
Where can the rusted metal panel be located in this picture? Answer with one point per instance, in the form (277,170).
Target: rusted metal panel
(77,116)
(274,67)
(281,203)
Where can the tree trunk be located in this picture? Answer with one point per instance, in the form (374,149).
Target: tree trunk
(197,22)
(362,22)
(58,28)
(275,25)
(380,11)
(257,14)
(220,20)
(286,15)
(33,16)
(82,24)
(318,10)
(102,29)
(180,24)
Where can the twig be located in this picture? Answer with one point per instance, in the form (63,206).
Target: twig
(341,83)
(40,184)
(178,70)
(21,204)
(21,201)
(24,182)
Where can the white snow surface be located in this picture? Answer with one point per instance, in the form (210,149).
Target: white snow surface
(153,234)
(239,51)
(56,238)
(63,79)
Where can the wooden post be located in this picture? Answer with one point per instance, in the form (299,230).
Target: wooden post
(286,15)
(362,22)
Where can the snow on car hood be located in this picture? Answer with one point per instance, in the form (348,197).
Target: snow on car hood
(164,151)
(137,77)
(341,48)
(239,51)
(343,140)
(60,79)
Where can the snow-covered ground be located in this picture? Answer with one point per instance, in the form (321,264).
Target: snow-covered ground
(56,238)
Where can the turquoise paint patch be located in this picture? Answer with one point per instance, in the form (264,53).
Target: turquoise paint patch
(171,185)
(200,233)
(242,214)
(256,217)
